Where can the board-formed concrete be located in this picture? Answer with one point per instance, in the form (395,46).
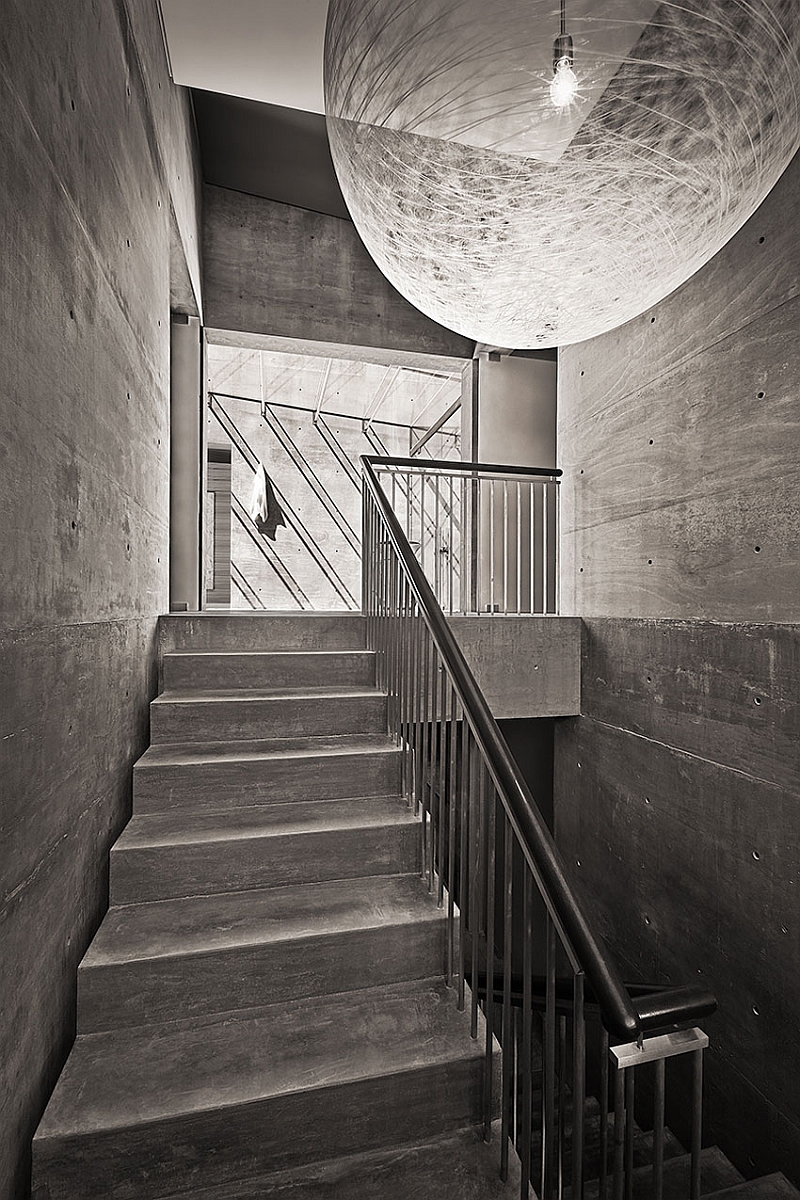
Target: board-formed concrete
(677,791)
(275,269)
(99,180)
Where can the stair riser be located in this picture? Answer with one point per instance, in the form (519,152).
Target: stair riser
(167,989)
(221,785)
(160,873)
(256,631)
(268,670)
(212,1149)
(252,720)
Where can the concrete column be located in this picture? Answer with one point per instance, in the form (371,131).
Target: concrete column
(517,411)
(186,445)
(515,423)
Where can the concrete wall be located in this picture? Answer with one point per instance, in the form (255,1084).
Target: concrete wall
(678,788)
(98,167)
(275,269)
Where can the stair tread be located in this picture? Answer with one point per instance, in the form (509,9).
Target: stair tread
(195,695)
(191,753)
(453,1166)
(128,1077)
(191,827)
(716,1171)
(201,924)
(768,1187)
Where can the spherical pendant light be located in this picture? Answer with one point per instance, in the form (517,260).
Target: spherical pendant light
(531,173)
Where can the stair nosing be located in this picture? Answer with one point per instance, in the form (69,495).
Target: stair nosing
(429,915)
(469,1050)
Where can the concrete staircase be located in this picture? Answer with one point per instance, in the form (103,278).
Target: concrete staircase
(262,1015)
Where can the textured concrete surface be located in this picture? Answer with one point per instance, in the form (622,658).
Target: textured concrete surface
(272,268)
(678,789)
(526,666)
(98,154)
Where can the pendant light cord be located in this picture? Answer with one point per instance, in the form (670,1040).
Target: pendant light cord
(563,17)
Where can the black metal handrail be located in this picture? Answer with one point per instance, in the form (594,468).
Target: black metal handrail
(624,1018)
(479,819)
(429,465)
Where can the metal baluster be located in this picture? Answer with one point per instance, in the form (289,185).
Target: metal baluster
(491,545)
(545,564)
(463,873)
(418,710)
(532,547)
(557,544)
(437,558)
(619,1135)
(441,836)
(422,520)
(519,548)
(450,551)
(475,895)
(562,1101)
(405,688)
(629,1123)
(526,1051)
(603,1113)
(507,1043)
(658,1129)
(427,836)
(505,545)
(578,1082)
(452,794)
(697,1122)
(549,1147)
(489,808)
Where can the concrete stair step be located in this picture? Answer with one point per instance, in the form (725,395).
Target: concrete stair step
(716,1171)
(769,1187)
(152,1111)
(222,775)
(262,668)
(457,1166)
(194,852)
(173,959)
(262,631)
(642,1147)
(193,715)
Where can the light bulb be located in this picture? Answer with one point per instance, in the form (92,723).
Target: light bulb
(564,85)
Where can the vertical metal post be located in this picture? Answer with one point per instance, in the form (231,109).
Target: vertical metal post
(619,1135)
(545,564)
(441,815)
(526,1117)
(604,1040)
(532,548)
(578,1083)
(475,893)
(519,548)
(491,545)
(508,1051)
(659,1103)
(452,798)
(463,872)
(489,805)
(697,1121)
(505,546)
(630,1079)
(549,1141)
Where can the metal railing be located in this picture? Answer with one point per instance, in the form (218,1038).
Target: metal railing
(485,535)
(520,951)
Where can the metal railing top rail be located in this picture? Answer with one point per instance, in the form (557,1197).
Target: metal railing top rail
(429,465)
(625,1018)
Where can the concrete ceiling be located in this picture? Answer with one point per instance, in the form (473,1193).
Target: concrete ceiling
(269,50)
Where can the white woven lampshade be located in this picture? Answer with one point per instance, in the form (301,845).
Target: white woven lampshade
(524,224)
